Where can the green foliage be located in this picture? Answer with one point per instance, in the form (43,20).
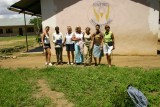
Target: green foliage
(11,50)
(84,86)
(16,38)
(120,98)
(37,23)
(15,44)
(17,88)
(102,86)
(15,91)
(19,36)
(42,102)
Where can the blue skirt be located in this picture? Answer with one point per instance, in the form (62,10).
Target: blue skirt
(97,52)
(78,54)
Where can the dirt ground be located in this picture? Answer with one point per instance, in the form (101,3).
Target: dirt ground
(58,98)
(32,61)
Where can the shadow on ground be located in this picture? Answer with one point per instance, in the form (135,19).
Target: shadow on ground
(36,49)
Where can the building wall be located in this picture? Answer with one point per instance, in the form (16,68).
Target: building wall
(133,22)
(16,31)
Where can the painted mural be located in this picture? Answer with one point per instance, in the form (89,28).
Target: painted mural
(99,13)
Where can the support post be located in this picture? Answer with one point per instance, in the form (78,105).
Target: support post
(25,30)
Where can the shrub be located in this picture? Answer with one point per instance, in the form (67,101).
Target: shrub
(120,98)
(11,50)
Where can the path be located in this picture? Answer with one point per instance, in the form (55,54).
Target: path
(33,61)
(56,97)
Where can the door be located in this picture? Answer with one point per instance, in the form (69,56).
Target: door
(21,31)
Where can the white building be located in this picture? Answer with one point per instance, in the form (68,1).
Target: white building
(15,27)
(135,23)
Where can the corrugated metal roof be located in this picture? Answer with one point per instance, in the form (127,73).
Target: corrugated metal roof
(14,22)
(32,7)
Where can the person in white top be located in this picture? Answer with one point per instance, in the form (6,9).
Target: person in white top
(78,38)
(69,44)
(46,45)
(57,40)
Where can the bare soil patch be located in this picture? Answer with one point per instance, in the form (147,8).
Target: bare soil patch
(38,61)
(56,97)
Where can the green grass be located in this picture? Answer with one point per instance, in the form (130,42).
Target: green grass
(16,38)
(16,43)
(17,88)
(85,87)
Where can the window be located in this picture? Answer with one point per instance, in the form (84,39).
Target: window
(1,31)
(9,30)
(30,29)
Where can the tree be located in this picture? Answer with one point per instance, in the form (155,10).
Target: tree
(37,24)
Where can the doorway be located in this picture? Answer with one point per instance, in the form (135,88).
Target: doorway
(21,31)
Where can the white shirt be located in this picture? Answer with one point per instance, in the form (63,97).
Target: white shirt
(77,35)
(69,38)
(57,37)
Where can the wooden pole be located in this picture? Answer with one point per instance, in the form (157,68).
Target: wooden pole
(25,30)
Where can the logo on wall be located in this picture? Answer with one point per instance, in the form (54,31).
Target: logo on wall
(99,13)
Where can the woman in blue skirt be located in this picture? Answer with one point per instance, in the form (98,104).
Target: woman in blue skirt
(79,41)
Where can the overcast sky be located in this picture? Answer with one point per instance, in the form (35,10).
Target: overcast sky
(5,13)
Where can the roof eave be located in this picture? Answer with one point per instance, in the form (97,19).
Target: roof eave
(23,11)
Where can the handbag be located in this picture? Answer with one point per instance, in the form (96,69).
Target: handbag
(110,43)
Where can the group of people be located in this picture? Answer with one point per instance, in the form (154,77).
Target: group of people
(80,46)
